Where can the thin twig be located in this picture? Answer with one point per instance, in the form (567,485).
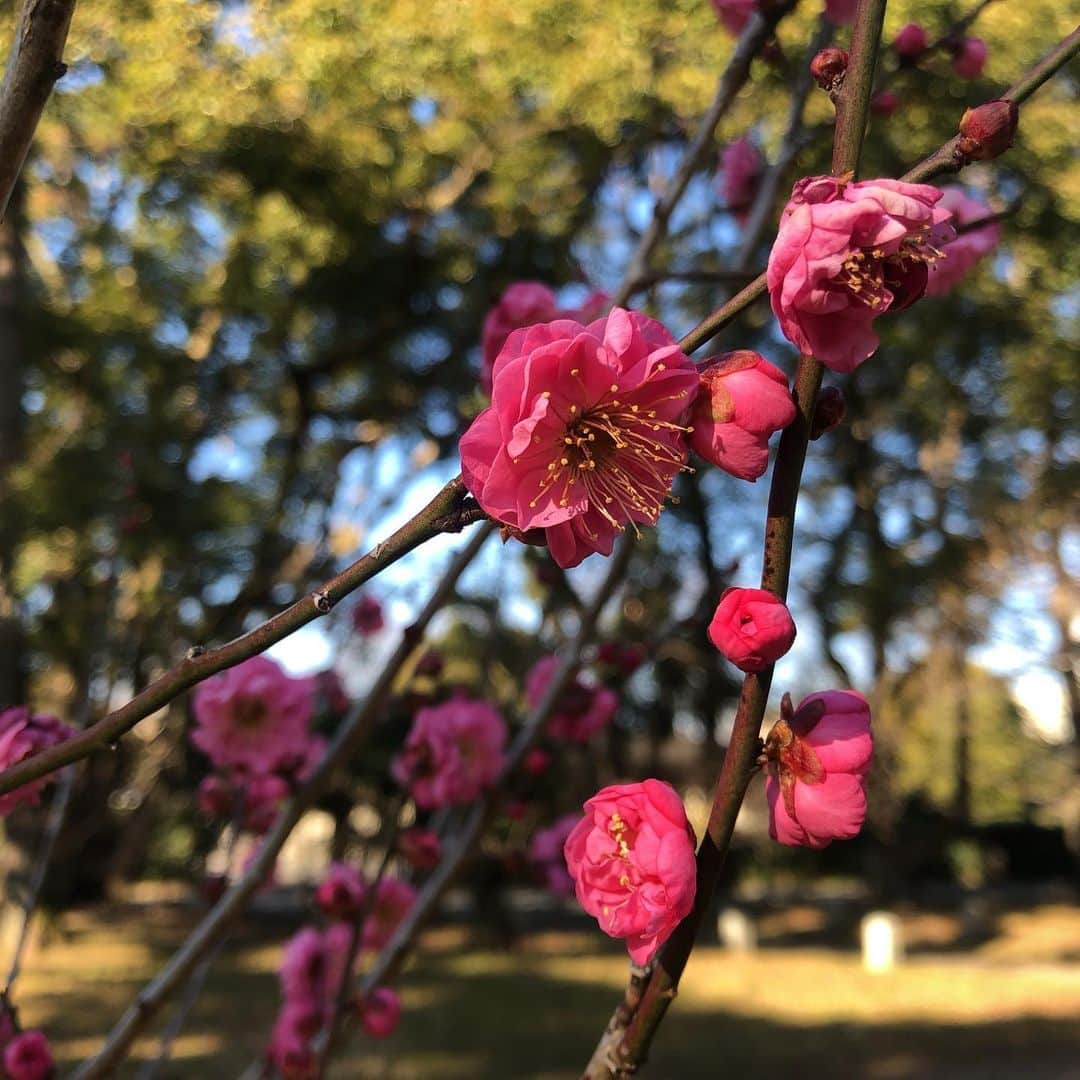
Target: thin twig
(449,511)
(351,735)
(33,66)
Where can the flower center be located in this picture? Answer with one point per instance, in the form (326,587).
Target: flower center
(249,712)
(890,282)
(623,455)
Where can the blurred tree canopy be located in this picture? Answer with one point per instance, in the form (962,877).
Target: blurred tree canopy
(254,246)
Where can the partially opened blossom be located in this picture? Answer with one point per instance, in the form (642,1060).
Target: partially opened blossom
(584,434)
(734,14)
(743,400)
(290,1050)
(393,898)
(367,616)
(453,752)
(304,966)
(966,248)
(341,892)
(845,254)
(380,1012)
(546,855)
(752,628)
(580,710)
(632,861)
(252,716)
(522,303)
(969,57)
(741,166)
(22,736)
(28,1057)
(819,754)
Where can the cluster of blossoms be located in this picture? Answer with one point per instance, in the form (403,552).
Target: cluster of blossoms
(22,735)
(582,709)
(452,753)
(312,967)
(24,1055)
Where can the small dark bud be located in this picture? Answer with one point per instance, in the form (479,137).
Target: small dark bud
(829,412)
(829,67)
(884,104)
(430,664)
(988,130)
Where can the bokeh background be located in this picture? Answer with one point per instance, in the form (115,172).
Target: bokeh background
(241,290)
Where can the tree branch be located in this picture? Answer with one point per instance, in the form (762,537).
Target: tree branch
(349,738)
(33,66)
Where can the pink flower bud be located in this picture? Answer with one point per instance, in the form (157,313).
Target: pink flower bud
(988,130)
(28,1057)
(380,1012)
(819,755)
(741,166)
(421,848)
(742,401)
(829,412)
(430,664)
(969,57)
(828,67)
(910,43)
(885,103)
(341,893)
(632,861)
(752,628)
(624,658)
(536,762)
(367,616)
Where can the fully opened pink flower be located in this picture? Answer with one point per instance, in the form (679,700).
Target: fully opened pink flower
(743,400)
(632,861)
(252,716)
(969,57)
(22,735)
(741,165)
(846,253)
(819,755)
(380,1012)
(734,14)
(752,628)
(581,710)
(546,855)
(452,753)
(28,1057)
(585,432)
(967,248)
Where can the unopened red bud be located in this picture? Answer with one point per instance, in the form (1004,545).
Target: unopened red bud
(988,130)
(430,664)
(910,43)
(885,103)
(829,67)
(829,412)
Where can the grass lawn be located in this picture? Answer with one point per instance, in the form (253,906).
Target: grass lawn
(1009,1008)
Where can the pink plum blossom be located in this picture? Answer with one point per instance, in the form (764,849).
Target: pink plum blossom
(341,892)
(546,855)
(393,898)
(632,861)
(846,253)
(819,756)
(734,14)
(580,711)
(380,1012)
(969,57)
(584,434)
(452,753)
(910,42)
(885,103)
(743,400)
(290,1049)
(752,628)
(963,252)
(741,166)
(22,735)
(304,966)
(367,616)
(536,762)
(252,716)
(28,1057)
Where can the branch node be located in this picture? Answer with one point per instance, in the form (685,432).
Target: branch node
(323,603)
(195,652)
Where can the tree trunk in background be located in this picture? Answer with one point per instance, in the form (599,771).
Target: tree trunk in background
(12,380)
